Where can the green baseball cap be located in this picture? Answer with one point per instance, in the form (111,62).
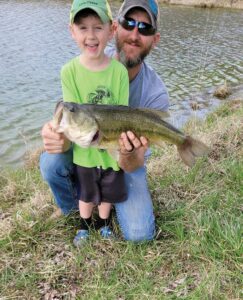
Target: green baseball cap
(101,7)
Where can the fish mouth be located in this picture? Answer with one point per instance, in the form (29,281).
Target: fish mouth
(95,138)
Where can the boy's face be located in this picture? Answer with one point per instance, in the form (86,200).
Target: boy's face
(91,36)
(132,46)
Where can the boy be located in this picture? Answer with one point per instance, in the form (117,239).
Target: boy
(94,78)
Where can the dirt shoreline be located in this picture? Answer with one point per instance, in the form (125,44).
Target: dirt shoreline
(237,4)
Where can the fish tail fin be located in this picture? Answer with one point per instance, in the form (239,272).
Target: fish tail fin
(191,149)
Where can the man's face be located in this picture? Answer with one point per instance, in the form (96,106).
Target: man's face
(132,46)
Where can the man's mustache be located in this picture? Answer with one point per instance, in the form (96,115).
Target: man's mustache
(132,41)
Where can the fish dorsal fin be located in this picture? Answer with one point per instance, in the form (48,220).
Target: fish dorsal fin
(162,114)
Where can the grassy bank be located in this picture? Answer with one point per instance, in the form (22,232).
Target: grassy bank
(196,254)
(237,4)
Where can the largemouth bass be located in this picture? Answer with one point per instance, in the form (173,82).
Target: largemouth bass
(101,125)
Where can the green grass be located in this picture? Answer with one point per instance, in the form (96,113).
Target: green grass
(197,253)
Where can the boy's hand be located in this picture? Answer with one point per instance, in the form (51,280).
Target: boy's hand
(132,150)
(54,142)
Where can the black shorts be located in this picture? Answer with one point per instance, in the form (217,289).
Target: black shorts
(97,185)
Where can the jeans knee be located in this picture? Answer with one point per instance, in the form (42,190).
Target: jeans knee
(46,166)
(55,165)
(142,234)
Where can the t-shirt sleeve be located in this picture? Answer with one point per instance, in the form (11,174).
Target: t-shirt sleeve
(69,91)
(159,99)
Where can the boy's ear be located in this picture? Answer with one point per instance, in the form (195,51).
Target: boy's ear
(71,30)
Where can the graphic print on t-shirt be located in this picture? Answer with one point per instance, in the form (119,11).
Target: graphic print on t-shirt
(102,95)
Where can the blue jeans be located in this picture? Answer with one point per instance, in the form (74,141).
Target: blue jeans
(135,215)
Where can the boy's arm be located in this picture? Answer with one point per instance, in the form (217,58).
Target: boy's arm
(132,150)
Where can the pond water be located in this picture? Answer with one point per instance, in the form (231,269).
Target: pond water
(199,49)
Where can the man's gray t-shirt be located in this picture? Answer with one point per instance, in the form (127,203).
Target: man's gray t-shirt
(146,89)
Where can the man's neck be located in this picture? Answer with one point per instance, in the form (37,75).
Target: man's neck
(132,72)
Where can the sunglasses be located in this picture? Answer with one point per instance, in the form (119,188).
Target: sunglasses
(143,28)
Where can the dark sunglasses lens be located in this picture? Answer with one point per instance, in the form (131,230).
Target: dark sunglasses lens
(146,31)
(128,24)
(143,28)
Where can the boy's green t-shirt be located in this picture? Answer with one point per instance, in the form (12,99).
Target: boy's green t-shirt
(109,86)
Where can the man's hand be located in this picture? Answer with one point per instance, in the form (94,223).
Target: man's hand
(132,150)
(54,142)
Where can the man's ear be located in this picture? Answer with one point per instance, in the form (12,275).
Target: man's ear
(115,25)
(156,39)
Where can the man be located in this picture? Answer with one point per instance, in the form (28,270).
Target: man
(136,35)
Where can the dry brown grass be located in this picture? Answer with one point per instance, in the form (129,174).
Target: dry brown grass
(31,158)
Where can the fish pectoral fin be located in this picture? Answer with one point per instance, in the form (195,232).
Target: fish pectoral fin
(58,117)
(191,149)
(114,153)
(59,129)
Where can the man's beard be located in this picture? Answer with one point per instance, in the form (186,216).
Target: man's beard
(134,61)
